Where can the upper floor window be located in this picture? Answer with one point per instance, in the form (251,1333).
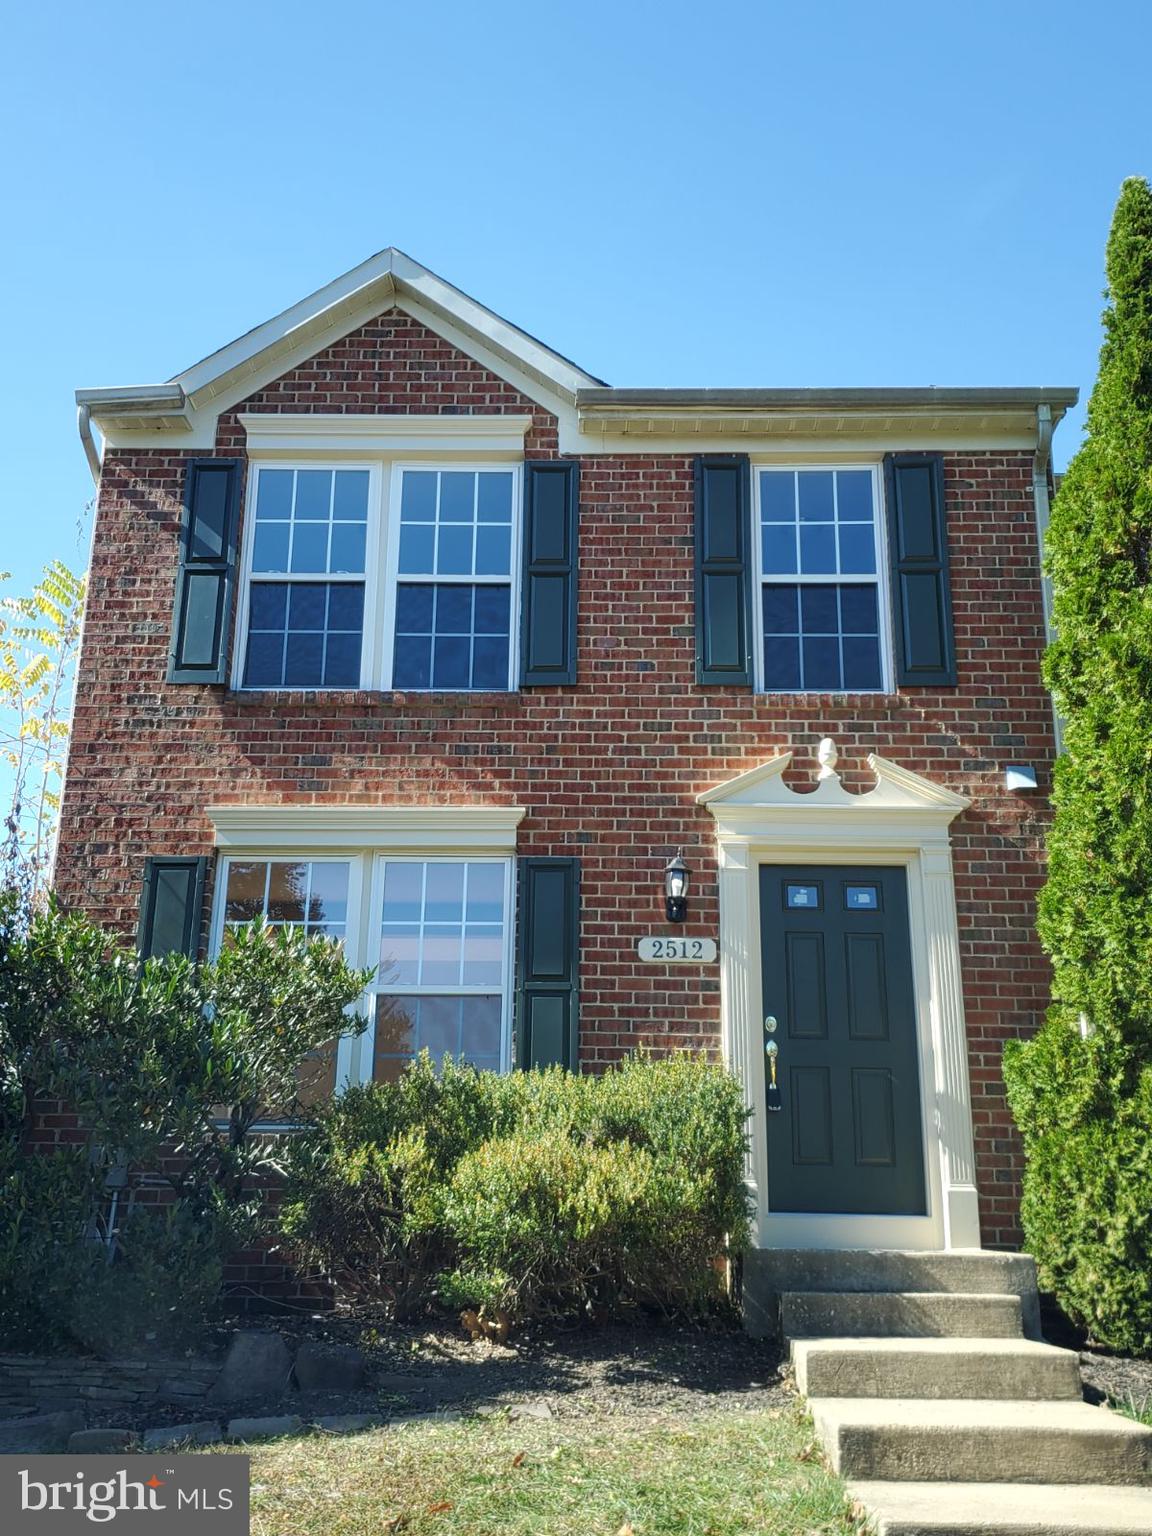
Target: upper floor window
(353,582)
(453,618)
(822,618)
(307,564)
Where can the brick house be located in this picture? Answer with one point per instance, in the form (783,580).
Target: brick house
(404,627)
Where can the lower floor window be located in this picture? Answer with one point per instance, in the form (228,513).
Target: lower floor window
(437,930)
(442,971)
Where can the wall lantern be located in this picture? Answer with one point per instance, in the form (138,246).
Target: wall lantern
(676,889)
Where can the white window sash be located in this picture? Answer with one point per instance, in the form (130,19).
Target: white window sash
(879,580)
(354,939)
(369,580)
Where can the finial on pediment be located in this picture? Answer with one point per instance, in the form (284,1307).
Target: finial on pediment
(826,756)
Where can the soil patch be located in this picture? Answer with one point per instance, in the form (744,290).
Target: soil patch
(590,1371)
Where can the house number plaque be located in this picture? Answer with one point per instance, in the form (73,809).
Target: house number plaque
(702,951)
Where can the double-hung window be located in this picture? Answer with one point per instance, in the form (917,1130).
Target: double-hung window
(308,564)
(441,934)
(437,930)
(358,578)
(453,592)
(313,896)
(823,620)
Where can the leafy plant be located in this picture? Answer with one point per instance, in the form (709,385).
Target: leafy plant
(39,641)
(535,1192)
(1081,1090)
(169,1066)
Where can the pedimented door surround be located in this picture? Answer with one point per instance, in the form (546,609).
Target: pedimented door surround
(903,820)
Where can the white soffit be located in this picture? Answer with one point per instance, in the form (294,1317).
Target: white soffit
(436,829)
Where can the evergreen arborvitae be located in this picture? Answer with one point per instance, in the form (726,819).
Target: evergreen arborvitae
(1081,1090)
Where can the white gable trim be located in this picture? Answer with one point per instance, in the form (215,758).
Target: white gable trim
(903,820)
(195,398)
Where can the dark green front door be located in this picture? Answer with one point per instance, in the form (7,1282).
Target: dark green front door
(837,969)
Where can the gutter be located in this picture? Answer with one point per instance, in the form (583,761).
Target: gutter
(91,452)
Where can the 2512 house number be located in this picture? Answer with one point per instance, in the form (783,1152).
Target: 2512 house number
(703,951)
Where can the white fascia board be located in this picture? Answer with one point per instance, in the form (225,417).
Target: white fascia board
(505,339)
(440,829)
(345,304)
(272,434)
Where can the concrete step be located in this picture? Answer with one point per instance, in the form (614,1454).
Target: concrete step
(907,1314)
(966,1441)
(770,1271)
(936,1368)
(1005,1509)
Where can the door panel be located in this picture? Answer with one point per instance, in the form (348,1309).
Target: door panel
(837,978)
(807,998)
(811,1117)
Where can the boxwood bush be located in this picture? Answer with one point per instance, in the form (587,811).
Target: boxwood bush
(537,1192)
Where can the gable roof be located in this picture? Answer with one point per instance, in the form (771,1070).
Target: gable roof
(388,279)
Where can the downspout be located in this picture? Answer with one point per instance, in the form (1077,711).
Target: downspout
(91,453)
(1041,497)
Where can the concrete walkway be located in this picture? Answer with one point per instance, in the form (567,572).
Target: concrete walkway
(943,1417)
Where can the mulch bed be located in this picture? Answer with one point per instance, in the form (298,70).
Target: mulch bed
(578,1372)
(1118,1379)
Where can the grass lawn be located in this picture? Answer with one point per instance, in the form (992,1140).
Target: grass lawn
(1138,1408)
(707,1475)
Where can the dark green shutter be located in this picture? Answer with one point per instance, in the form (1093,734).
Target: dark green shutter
(723,569)
(549,962)
(171,907)
(204,583)
(918,558)
(551,513)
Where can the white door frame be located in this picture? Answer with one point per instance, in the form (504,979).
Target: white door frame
(903,821)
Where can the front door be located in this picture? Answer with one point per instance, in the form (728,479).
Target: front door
(844,1128)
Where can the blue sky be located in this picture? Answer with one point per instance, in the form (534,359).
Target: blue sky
(734,194)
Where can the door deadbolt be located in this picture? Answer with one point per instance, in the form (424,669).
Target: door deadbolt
(770,1024)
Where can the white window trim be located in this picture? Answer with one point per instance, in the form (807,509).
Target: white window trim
(881,579)
(361,945)
(287,432)
(392,572)
(381,563)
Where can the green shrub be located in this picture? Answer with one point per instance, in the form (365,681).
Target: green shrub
(529,1193)
(46,1202)
(168,1065)
(1084,1106)
(155,1290)
(365,1187)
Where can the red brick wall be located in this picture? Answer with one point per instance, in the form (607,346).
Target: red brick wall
(607,769)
